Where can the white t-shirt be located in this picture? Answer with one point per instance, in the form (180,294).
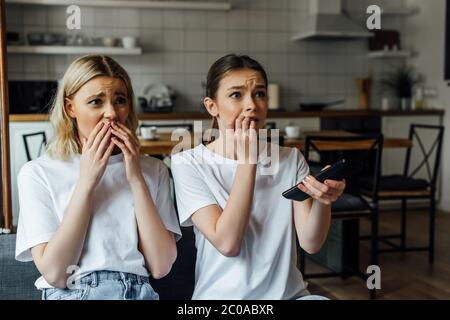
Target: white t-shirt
(266,266)
(45,188)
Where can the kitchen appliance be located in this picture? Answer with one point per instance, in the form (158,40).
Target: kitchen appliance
(158,98)
(319,105)
(31,96)
(327,20)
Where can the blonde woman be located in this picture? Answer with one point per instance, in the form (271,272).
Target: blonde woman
(96,217)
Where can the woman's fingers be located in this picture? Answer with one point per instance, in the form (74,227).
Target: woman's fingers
(93,134)
(338,185)
(99,137)
(109,150)
(317,184)
(126,137)
(318,193)
(126,140)
(238,123)
(245,124)
(121,145)
(122,128)
(103,144)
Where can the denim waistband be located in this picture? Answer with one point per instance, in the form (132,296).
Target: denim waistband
(97,276)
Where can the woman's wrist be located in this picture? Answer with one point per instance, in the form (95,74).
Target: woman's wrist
(320,206)
(137,182)
(85,187)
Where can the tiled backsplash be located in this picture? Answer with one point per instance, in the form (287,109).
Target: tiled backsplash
(179,46)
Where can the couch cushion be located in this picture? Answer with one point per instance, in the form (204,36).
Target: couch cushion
(16,278)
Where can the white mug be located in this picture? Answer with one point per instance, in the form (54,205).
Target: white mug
(293,131)
(149,132)
(129,42)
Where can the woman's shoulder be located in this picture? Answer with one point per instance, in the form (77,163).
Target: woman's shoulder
(40,165)
(152,165)
(288,153)
(187,156)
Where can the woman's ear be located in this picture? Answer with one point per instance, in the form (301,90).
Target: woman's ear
(68,106)
(211,106)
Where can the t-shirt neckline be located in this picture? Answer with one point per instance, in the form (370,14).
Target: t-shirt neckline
(114,158)
(227,160)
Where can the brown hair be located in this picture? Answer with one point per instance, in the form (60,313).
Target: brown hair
(224,65)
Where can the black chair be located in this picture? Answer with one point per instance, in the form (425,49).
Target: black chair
(364,155)
(410,186)
(42,143)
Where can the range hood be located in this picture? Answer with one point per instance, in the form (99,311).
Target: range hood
(327,21)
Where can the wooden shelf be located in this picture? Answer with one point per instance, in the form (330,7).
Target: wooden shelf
(383,54)
(272,114)
(147,4)
(73,50)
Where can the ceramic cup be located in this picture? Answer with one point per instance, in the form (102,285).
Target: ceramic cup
(293,131)
(149,132)
(129,42)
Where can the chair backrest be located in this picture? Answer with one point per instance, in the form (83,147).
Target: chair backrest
(363,152)
(42,143)
(416,135)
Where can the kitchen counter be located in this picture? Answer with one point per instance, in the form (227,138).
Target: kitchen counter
(272,114)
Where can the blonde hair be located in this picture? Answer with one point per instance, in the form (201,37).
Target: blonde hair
(65,142)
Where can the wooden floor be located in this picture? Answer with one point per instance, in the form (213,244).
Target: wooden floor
(403,275)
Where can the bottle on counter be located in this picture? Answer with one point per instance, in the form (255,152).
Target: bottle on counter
(419,102)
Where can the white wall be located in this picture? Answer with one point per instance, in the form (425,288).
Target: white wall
(426,32)
(180,45)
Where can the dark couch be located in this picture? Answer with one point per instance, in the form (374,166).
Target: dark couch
(17,278)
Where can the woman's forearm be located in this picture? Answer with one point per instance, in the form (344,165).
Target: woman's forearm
(156,243)
(314,231)
(65,247)
(233,221)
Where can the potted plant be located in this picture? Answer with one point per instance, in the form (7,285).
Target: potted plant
(401,83)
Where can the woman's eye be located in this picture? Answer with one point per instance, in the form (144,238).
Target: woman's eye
(261,94)
(236,94)
(121,100)
(95,101)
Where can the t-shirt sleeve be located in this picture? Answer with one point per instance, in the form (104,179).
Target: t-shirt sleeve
(302,167)
(38,220)
(164,203)
(192,193)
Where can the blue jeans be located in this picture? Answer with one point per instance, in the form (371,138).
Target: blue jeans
(105,285)
(312,297)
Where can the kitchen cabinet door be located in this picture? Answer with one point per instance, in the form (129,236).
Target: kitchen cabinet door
(18,154)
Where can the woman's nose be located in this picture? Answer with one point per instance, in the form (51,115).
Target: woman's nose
(251,105)
(110,112)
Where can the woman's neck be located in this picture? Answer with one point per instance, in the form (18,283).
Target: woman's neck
(220,147)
